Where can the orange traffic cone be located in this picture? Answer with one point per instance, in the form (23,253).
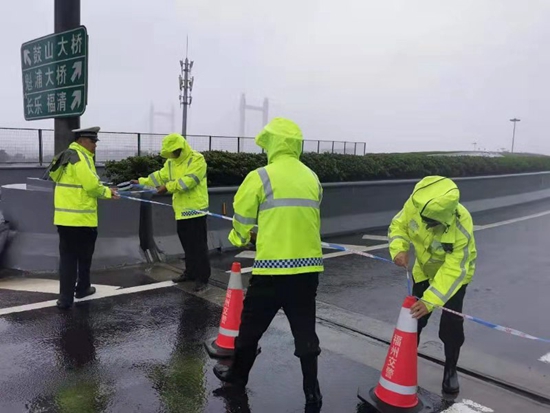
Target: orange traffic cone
(224,345)
(397,388)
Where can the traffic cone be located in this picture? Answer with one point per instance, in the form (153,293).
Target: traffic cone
(224,345)
(397,388)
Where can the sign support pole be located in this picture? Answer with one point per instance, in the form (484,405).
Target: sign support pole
(67,16)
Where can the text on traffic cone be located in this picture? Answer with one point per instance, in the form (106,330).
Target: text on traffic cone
(398,384)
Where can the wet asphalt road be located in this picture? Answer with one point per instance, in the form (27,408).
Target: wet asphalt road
(510,287)
(146,355)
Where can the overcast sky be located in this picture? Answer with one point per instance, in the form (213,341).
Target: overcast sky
(400,75)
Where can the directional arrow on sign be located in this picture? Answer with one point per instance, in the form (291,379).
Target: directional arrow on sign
(77,99)
(77,71)
(27,57)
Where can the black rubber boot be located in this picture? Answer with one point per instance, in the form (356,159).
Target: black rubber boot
(236,372)
(314,399)
(450,375)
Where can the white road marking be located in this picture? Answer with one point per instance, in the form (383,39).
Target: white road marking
(252,254)
(545,358)
(479,227)
(355,248)
(103,293)
(510,221)
(468,406)
(375,237)
(246,254)
(41,285)
(361,248)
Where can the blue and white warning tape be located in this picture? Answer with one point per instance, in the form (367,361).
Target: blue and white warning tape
(494,326)
(498,327)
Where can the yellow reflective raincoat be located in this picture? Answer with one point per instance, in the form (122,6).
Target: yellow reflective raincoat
(445,254)
(77,188)
(184,177)
(283,199)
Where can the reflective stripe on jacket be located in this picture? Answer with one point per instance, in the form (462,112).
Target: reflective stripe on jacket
(184,177)
(77,188)
(445,254)
(283,199)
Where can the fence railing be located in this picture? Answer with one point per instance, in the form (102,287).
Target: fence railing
(37,145)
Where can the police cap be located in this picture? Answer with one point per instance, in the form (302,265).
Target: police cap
(90,133)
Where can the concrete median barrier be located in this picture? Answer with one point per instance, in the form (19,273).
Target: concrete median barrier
(355,206)
(131,232)
(33,241)
(164,224)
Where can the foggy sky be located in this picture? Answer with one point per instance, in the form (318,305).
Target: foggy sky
(400,75)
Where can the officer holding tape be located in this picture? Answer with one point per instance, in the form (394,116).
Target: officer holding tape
(442,233)
(77,188)
(184,176)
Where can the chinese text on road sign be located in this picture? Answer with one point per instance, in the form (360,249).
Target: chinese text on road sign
(55,75)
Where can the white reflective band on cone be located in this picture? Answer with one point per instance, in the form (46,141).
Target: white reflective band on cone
(397,388)
(235,281)
(229,333)
(406,323)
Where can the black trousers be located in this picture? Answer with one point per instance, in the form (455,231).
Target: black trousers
(451,327)
(193,236)
(76,249)
(295,294)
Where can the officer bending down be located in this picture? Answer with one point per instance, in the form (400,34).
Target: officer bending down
(442,233)
(283,198)
(77,188)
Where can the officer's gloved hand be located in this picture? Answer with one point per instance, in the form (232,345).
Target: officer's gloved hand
(253,236)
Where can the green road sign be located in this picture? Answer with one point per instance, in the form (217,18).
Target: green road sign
(55,75)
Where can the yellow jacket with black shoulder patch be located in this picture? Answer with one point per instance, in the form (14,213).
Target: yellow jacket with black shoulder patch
(77,188)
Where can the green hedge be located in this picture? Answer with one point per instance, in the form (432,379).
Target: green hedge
(229,169)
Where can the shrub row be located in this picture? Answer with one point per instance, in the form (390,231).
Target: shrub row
(229,169)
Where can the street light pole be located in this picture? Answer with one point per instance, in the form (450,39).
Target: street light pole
(514,132)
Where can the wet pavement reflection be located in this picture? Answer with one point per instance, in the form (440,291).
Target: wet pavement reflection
(144,352)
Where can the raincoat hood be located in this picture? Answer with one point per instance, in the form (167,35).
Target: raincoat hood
(280,137)
(172,142)
(437,198)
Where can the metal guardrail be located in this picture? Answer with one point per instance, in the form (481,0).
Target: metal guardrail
(36,146)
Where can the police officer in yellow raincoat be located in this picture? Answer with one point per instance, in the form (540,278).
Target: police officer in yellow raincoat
(77,188)
(184,176)
(283,199)
(442,233)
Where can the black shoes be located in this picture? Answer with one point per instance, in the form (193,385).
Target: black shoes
(89,291)
(200,287)
(182,278)
(66,304)
(63,305)
(235,372)
(224,373)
